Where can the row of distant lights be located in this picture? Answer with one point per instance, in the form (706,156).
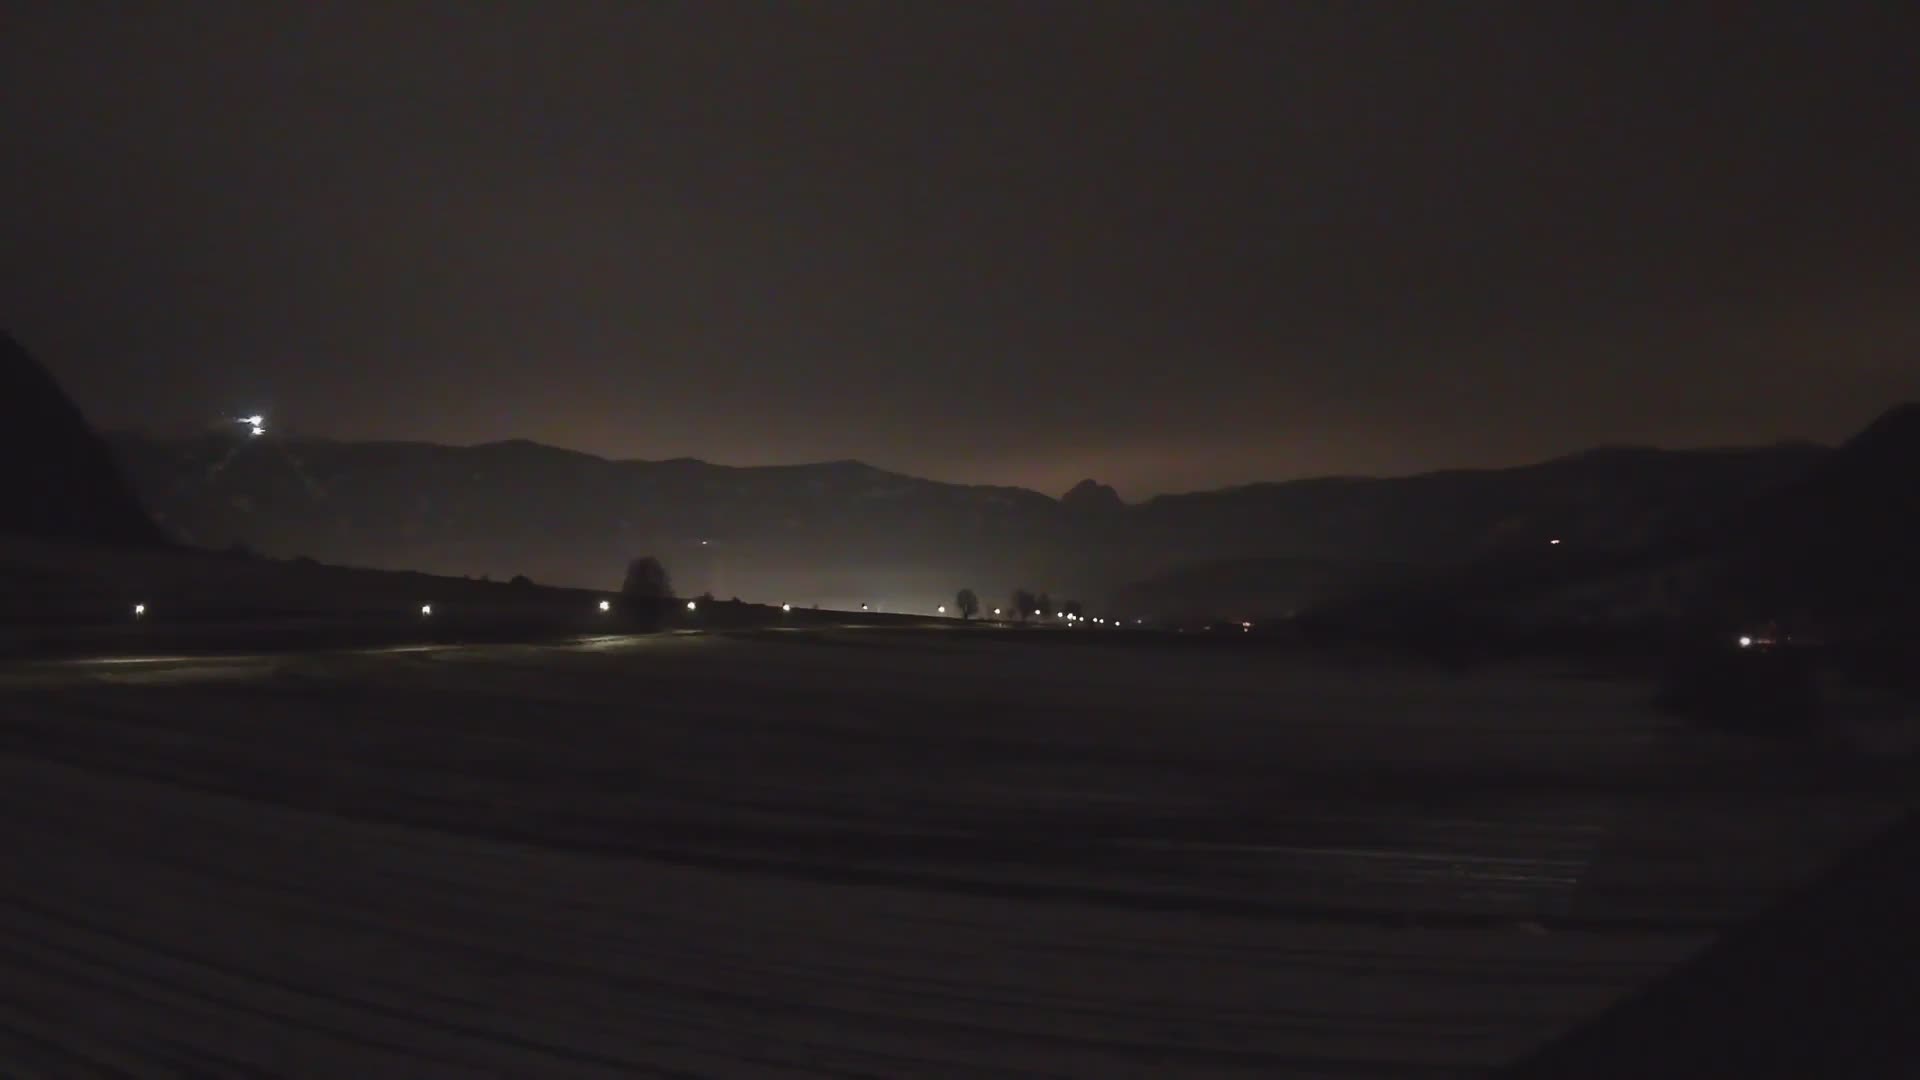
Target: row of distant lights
(426,611)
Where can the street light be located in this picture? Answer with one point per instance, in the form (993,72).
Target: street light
(691,606)
(1746,642)
(786,607)
(139,610)
(941,610)
(606,605)
(426,610)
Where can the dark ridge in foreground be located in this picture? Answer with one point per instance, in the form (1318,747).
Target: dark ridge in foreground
(62,482)
(1818,987)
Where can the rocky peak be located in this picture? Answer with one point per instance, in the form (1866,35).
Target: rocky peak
(1092,496)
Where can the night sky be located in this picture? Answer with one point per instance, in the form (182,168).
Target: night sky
(1166,245)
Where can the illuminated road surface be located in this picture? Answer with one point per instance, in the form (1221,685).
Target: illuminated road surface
(830,853)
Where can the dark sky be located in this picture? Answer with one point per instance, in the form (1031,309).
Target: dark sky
(1167,245)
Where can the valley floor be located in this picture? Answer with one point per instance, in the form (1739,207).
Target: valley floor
(829,852)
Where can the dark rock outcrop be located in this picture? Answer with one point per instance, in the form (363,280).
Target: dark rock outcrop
(1091,497)
(61,480)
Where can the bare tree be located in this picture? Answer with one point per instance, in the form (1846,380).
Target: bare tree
(647,582)
(968,603)
(1024,604)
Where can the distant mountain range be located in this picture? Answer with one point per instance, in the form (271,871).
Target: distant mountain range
(1830,549)
(844,533)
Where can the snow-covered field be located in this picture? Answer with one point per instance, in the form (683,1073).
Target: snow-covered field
(885,854)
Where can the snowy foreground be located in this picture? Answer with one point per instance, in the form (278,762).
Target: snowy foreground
(858,853)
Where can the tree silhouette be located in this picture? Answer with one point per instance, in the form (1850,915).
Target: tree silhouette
(1024,604)
(647,582)
(1072,607)
(968,603)
(1045,603)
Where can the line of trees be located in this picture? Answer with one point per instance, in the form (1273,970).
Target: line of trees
(647,589)
(1028,604)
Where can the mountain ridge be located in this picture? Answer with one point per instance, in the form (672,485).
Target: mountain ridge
(845,532)
(131,437)
(62,480)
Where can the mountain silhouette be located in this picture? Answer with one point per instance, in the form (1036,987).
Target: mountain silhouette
(1843,541)
(1829,550)
(1092,497)
(848,532)
(61,480)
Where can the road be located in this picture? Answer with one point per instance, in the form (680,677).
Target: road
(834,852)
